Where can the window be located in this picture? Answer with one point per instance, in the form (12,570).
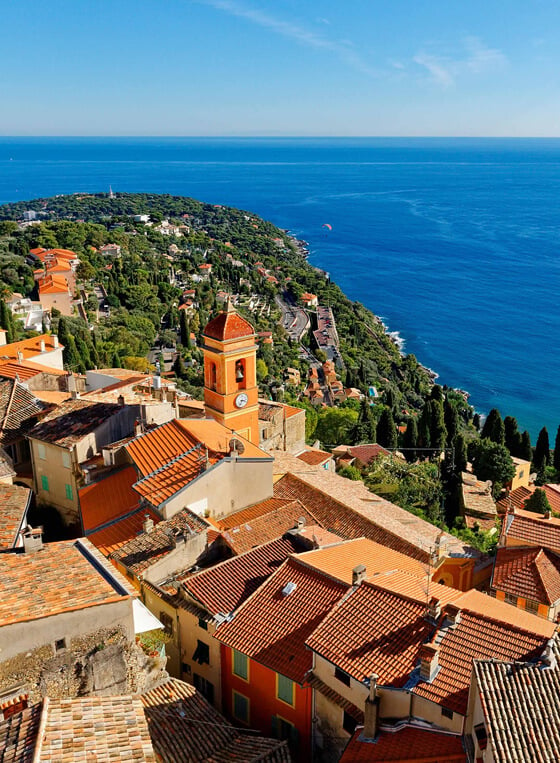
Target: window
(167,622)
(481,735)
(42,451)
(531,606)
(66,460)
(240,665)
(282,729)
(60,644)
(511,599)
(202,653)
(186,668)
(202,624)
(348,723)
(342,676)
(69,494)
(446,713)
(240,371)
(204,687)
(285,689)
(521,473)
(45,482)
(240,707)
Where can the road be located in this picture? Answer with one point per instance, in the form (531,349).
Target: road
(294,319)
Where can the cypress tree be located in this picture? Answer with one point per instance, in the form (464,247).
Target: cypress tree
(493,428)
(389,398)
(526,449)
(179,366)
(538,502)
(512,435)
(438,432)
(460,448)
(363,428)
(424,426)
(556,459)
(184,328)
(451,418)
(436,393)
(476,421)
(410,441)
(83,352)
(115,360)
(386,430)
(541,457)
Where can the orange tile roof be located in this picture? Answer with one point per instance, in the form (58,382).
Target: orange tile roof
(518,497)
(26,370)
(532,529)
(475,637)
(339,560)
(58,578)
(223,588)
(113,536)
(405,745)
(174,476)
(532,573)
(367,453)
(101,729)
(262,522)
(373,631)
(108,499)
(271,627)
(28,347)
(18,735)
(14,501)
(52,284)
(228,325)
(314,457)
(63,253)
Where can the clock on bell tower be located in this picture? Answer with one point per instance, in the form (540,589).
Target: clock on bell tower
(230,373)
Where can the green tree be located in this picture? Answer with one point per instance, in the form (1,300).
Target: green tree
(525,449)
(335,426)
(350,472)
(179,366)
(438,432)
(556,459)
(386,429)
(451,419)
(492,461)
(512,435)
(436,393)
(364,431)
(537,502)
(410,441)
(184,329)
(541,457)
(476,421)
(460,453)
(425,426)
(493,428)
(262,370)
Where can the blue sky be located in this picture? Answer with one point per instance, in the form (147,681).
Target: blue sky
(280,67)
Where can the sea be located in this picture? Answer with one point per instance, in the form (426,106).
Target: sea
(454,243)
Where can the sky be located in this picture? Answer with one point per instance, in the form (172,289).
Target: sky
(280,67)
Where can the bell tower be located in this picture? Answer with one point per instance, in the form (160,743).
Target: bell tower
(230,373)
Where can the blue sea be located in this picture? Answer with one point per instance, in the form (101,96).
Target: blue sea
(455,243)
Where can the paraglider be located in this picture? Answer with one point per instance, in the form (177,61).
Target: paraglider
(326,225)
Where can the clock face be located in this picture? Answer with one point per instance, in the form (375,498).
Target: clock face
(241,400)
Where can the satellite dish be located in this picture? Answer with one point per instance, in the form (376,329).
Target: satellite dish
(237,446)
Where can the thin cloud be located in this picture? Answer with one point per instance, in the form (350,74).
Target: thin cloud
(478,59)
(307,38)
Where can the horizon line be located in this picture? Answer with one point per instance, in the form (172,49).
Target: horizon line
(294,137)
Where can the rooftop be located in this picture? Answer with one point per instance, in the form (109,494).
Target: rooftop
(74,419)
(116,533)
(14,501)
(520,705)
(29,348)
(223,588)
(532,529)
(108,499)
(532,573)
(147,548)
(62,577)
(19,410)
(185,727)
(314,457)
(228,325)
(26,369)
(18,735)
(366,453)
(271,626)
(406,744)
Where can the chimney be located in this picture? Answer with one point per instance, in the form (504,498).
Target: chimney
(20,356)
(358,574)
(429,661)
(547,514)
(42,345)
(55,341)
(371,711)
(138,428)
(300,524)
(434,609)
(32,539)
(452,615)
(120,399)
(148,524)
(440,547)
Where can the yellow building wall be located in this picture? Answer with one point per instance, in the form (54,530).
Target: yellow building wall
(190,632)
(58,476)
(544,610)
(157,606)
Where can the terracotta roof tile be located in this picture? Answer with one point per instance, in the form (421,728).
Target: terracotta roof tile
(103,729)
(108,499)
(18,736)
(228,325)
(61,576)
(271,626)
(19,411)
(532,530)
(314,457)
(184,728)
(28,347)
(532,573)
(166,481)
(405,745)
(25,370)
(224,587)
(116,534)
(14,501)
(262,523)
(147,548)
(520,704)
(367,453)
(71,421)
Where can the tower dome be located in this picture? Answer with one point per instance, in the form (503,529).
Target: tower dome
(228,325)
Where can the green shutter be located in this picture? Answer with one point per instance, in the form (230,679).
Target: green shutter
(69,494)
(240,666)
(45,482)
(285,689)
(240,707)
